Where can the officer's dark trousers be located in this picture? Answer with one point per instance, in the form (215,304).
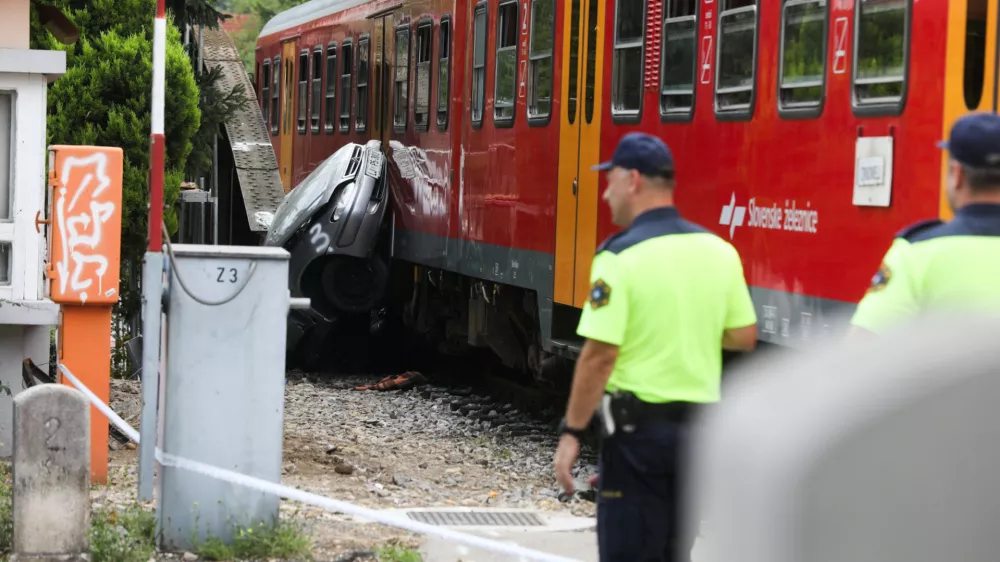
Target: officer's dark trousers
(639,517)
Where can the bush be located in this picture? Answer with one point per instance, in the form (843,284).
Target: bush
(284,540)
(6,506)
(126,535)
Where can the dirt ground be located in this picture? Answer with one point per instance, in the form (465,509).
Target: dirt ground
(382,450)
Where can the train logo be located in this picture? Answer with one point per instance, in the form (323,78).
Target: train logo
(788,218)
(732,216)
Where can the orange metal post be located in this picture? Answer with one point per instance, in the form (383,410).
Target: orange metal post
(83,271)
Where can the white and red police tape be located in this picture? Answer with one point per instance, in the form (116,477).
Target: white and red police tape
(329,504)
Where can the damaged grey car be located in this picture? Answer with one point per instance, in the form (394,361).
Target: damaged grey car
(330,223)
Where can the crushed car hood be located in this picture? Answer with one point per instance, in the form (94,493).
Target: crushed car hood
(299,205)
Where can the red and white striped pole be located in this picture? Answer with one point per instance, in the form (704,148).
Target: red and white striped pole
(157,139)
(152,271)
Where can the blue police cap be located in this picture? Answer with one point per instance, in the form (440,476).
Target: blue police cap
(975,140)
(640,151)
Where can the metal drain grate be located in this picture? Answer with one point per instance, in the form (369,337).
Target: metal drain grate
(457,518)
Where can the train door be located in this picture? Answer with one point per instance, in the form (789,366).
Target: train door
(579,148)
(288,61)
(382,48)
(973,58)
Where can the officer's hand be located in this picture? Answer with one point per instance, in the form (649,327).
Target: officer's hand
(566,455)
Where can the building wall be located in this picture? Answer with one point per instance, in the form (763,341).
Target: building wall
(26,314)
(14,25)
(16,344)
(24,125)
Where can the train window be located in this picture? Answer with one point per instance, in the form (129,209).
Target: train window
(346,67)
(275,93)
(802,71)
(444,58)
(421,106)
(626,85)
(736,65)
(288,99)
(680,51)
(591,61)
(331,87)
(574,60)
(975,52)
(316,103)
(540,45)
(364,51)
(478,64)
(881,34)
(505,82)
(303,90)
(265,89)
(400,102)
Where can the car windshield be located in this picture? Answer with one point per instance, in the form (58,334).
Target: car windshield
(302,201)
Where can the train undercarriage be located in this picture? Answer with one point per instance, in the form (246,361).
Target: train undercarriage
(423,314)
(463,316)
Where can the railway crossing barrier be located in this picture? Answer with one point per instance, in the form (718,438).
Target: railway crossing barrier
(884,449)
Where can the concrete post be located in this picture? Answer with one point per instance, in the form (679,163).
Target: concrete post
(51,503)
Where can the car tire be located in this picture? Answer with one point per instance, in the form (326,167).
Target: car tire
(343,275)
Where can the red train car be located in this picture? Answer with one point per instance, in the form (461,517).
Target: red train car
(804,132)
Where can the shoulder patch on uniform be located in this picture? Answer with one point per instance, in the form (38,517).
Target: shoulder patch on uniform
(600,294)
(917,228)
(880,279)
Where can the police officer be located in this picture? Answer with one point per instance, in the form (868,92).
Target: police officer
(936,264)
(665,295)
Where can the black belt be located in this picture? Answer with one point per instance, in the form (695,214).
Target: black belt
(666,411)
(627,409)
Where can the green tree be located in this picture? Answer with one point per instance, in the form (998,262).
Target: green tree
(196,12)
(261,11)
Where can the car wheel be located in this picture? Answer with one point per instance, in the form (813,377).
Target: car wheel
(354,285)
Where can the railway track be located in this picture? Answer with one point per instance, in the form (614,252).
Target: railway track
(500,403)
(490,401)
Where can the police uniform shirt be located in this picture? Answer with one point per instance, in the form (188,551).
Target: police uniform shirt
(937,264)
(663,290)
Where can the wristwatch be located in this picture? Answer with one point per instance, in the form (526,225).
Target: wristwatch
(563,428)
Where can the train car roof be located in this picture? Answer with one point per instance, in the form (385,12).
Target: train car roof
(306,12)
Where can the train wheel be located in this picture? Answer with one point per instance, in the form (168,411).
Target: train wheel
(354,285)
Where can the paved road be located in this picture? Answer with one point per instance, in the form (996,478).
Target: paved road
(577,544)
(580,545)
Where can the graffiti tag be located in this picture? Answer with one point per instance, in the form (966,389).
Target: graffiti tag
(81,226)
